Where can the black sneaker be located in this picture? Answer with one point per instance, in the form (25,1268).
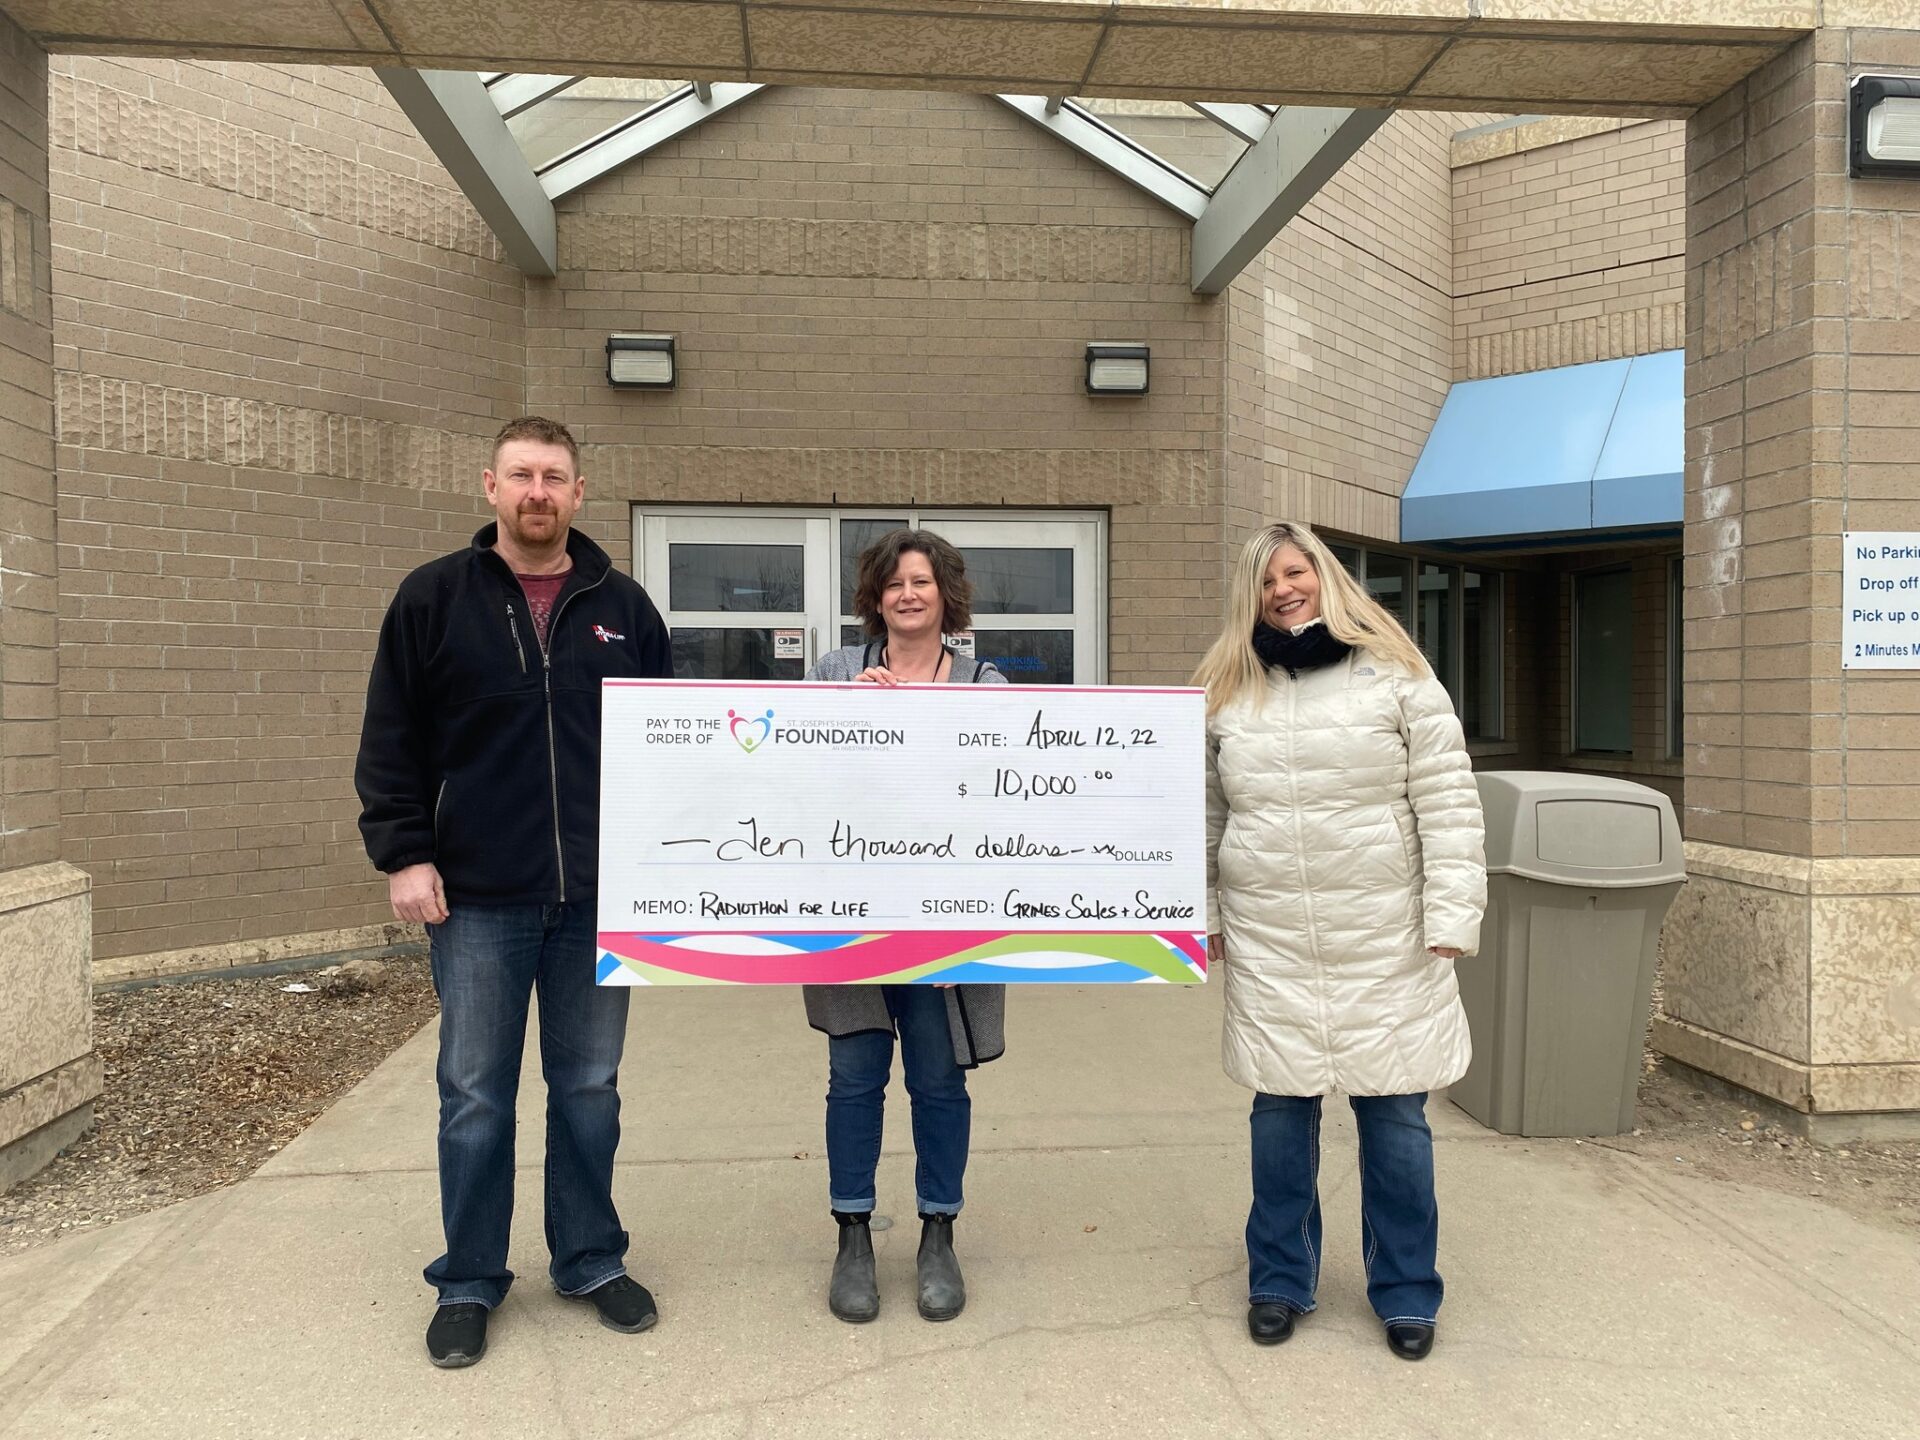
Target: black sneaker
(458,1335)
(623,1305)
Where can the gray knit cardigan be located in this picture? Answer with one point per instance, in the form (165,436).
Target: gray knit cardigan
(976,1014)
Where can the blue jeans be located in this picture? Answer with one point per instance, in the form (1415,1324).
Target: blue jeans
(858,1066)
(1399,1219)
(487,961)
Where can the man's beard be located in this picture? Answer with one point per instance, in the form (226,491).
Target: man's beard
(522,517)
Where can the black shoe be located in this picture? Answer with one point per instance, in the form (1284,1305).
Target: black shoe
(853,1294)
(943,1294)
(1269,1322)
(1409,1339)
(458,1335)
(623,1305)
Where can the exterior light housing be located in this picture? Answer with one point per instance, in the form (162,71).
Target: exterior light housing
(1116,369)
(641,361)
(1883,126)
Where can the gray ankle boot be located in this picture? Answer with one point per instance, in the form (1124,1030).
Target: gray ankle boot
(853,1295)
(943,1294)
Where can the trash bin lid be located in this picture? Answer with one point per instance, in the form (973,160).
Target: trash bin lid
(1578,829)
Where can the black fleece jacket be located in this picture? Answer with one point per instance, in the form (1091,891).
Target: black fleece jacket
(480,753)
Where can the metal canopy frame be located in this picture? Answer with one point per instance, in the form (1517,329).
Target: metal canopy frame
(515,93)
(1270,184)
(652,126)
(461,124)
(1097,140)
(1291,152)
(463,115)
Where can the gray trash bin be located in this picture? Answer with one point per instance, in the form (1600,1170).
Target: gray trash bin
(1580,872)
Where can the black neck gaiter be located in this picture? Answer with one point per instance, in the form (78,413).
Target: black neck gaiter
(1313,647)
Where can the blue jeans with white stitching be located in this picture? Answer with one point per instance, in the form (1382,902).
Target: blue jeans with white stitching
(1399,1217)
(487,962)
(857,1069)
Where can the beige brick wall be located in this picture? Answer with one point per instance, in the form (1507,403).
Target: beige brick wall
(885,298)
(1804,351)
(1340,348)
(1877,752)
(1570,252)
(281,336)
(29,585)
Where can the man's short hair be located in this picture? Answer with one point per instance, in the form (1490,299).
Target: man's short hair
(540,430)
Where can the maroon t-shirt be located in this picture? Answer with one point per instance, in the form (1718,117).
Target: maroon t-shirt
(541,592)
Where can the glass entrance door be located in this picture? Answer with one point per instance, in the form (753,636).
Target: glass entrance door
(761,594)
(745,597)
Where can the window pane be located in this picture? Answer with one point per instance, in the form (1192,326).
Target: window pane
(1021,582)
(1028,657)
(713,653)
(1348,556)
(736,577)
(1390,578)
(1482,658)
(1603,662)
(1436,631)
(855,537)
(852,634)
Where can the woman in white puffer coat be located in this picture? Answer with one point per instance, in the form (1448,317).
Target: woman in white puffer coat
(1344,848)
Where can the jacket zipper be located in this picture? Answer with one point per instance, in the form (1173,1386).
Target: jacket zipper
(553,763)
(513,626)
(1306,889)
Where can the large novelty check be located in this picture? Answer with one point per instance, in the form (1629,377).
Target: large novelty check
(766,833)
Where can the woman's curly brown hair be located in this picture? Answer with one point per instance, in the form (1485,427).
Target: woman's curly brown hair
(880,559)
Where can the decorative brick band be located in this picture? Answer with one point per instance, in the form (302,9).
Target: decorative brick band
(99,413)
(95,119)
(775,475)
(1750,291)
(858,250)
(1573,342)
(16,260)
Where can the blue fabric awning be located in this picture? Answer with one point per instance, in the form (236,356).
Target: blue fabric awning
(1554,452)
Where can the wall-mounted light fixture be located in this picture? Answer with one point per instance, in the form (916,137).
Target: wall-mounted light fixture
(644,361)
(1116,369)
(1883,126)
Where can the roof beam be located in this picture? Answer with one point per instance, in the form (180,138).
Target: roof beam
(655,125)
(514,93)
(460,123)
(1133,163)
(1300,151)
(1248,122)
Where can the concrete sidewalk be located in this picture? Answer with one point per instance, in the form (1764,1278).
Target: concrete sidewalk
(1591,1292)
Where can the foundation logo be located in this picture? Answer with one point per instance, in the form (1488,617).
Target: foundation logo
(750,734)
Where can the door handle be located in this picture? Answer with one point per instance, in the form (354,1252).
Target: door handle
(813,646)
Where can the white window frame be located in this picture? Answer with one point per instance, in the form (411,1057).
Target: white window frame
(992,528)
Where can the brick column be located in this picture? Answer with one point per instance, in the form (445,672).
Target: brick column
(48,1074)
(1790,958)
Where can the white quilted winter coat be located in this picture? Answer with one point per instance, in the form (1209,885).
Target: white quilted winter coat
(1344,837)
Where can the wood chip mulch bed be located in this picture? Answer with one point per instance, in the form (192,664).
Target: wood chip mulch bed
(205,1081)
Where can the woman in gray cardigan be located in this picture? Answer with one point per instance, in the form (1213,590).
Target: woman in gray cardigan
(912,590)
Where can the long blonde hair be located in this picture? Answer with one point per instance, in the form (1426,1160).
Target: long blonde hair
(1232,672)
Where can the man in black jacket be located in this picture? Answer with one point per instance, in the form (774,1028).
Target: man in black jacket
(479,778)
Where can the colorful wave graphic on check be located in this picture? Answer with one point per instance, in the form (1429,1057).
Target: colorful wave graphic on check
(904,958)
